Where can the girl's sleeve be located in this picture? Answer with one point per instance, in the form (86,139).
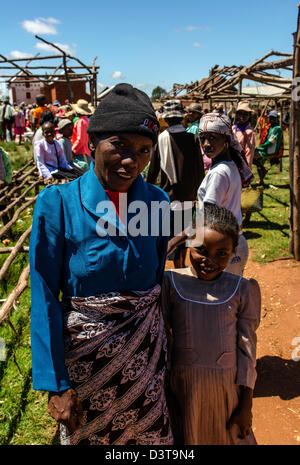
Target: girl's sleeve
(248,322)
(46,254)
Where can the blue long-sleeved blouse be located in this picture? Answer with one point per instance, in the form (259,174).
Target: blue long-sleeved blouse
(68,256)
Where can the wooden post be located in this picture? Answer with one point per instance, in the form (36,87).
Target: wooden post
(295,155)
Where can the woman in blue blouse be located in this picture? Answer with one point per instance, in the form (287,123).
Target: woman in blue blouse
(97,333)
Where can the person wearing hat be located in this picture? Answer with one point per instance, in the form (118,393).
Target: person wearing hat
(80,148)
(6,120)
(65,127)
(270,145)
(179,163)
(194,113)
(100,350)
(55,107)
(245,134)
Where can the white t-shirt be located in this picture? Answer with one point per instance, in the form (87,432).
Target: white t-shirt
(222,186)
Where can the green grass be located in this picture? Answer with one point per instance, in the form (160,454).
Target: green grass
(23,412)
(268,231)
(24,419)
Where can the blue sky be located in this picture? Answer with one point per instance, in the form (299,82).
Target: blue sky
(151,43)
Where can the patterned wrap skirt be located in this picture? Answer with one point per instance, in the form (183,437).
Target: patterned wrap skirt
(116,352)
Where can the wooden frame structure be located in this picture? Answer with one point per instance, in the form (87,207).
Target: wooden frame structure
(221,87)
(221,84)
(294,245)
(34,70)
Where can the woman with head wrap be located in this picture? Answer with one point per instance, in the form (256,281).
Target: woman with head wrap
(223,183)
(227,175)
(101,350)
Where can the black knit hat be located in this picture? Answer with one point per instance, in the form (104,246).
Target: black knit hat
(125,109)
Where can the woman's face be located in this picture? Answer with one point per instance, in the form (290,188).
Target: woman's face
(49,132)
(242,117)
(212,257)
(212,143)
(120,158)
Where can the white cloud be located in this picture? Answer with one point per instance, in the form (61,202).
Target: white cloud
(65,47)
(17,54)
(41,26)
(197,44)
(117,75)
(50,20)
(141,86)
(193,28)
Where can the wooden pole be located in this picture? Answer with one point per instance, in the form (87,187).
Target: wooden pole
(13,254)
(15,294)
(295,155)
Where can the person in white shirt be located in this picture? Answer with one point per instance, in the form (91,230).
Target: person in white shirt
(227,175)
(223,183)
(51,160)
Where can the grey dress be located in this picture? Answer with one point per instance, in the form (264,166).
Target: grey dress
(212,343)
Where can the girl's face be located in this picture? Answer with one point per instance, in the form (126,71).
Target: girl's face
(212,143)
(209,260)
(120,158)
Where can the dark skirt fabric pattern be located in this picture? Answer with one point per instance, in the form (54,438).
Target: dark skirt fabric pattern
(116,351)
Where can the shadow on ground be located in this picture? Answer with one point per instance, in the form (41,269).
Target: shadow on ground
(277,377)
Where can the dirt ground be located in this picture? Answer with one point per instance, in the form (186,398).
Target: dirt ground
(276,403)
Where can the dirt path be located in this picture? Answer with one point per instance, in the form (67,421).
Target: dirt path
(276,404)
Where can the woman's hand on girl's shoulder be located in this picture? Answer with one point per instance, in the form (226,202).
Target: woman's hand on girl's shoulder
(66,408)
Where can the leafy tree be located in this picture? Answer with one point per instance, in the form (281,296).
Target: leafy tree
(157,93)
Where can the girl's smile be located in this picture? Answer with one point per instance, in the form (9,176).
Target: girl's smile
(209,260)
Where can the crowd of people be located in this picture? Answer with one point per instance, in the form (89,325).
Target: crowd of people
(131,353)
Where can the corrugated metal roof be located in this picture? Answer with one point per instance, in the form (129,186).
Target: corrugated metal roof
(270,91)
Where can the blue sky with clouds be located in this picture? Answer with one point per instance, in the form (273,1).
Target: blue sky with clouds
(151,43)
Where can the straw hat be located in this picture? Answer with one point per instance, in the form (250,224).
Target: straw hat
(82,107)
(173,109)
(194,107)
(244,106)
(63,123)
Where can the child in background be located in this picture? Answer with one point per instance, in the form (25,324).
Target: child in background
(51,160)
(211,318)
(65,127)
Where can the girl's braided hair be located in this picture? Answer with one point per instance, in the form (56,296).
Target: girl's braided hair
(222,220)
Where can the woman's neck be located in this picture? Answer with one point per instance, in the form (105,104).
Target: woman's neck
(224,156)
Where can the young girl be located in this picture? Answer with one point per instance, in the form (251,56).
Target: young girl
(211,318)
